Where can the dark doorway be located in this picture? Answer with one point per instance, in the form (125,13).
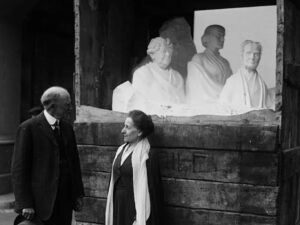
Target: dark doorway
(48,50)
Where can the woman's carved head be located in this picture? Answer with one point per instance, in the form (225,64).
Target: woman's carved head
(213,37)
(160,50)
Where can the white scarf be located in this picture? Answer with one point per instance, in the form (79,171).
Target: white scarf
(140,184)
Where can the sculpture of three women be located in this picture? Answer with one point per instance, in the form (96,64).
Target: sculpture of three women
(210,86)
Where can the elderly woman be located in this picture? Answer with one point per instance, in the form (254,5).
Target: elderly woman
(156,81)
(246,90)
(135,193)
(155,86)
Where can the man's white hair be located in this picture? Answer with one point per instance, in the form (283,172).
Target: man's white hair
(246,42)
(52,94)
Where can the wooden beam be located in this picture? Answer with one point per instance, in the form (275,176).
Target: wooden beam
(224,166)
(233,137)
(201,194)
(290,165)
(77,73)
(221,196)
(293,75)
(94,210)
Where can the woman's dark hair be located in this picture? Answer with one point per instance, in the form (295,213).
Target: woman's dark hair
(142,122)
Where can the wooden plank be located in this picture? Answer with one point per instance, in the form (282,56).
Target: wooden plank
(89,31)
(291,93)
(260,118)
(94,211)
(95,183)
(221,196)
(290,118)
(6,185)
(201,194)
(246,137)
(293,75)
(96,158)
(291,165)
(288,204)
(297,36)
(289,201)
(289,36)
(279,55)
(83,223)
(77,74)
(6,150)
(183,216)
(226,166)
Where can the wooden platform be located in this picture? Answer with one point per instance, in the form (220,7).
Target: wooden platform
(216,173)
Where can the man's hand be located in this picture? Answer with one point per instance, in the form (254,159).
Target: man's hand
(28,213)
(78,204)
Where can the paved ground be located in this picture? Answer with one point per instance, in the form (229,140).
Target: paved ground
(7,217)
(7,214)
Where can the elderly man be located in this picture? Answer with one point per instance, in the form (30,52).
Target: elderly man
(208,71)
(246,90)
(46,173)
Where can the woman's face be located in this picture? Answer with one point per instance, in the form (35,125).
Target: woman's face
(130,133)
(251,56)
(216,40)
(163,57)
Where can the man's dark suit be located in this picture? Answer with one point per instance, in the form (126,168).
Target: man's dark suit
(36,169)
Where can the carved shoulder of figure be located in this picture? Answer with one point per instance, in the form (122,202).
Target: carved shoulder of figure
(142,75)
(197,58)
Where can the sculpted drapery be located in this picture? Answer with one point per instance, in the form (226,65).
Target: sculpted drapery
(207,74)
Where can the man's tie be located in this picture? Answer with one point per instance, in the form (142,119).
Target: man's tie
(59,139)
(56,128)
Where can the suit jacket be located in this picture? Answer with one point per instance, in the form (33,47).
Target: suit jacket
(35,165)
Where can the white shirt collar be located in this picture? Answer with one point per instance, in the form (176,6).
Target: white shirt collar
(51,120)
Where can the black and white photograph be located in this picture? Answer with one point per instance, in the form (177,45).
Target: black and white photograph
(150,112)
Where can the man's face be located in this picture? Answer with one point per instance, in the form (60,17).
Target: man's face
(251,56)
(163,57)
(216,39)
(63,107)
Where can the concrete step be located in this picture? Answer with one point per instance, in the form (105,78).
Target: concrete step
(7,202)
(5,183)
